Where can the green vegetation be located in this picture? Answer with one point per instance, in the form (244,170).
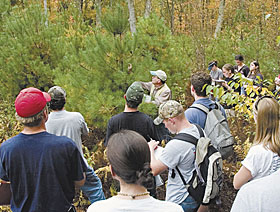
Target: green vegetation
(68,48)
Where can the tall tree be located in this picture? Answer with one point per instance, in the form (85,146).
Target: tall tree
(132,19)
(98,12)
(46,11)
(148,8)
(220,18)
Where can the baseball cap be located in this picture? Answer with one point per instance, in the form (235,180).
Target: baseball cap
(169,109)
(160,74)
(135,92)
(210,65)
(31,101)
(57,93)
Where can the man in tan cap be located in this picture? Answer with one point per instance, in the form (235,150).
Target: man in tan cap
(159,91)
(177,153)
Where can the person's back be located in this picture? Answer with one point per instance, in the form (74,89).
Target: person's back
(115,204)
(129,157)
(259,195)
(132,119)
(198,90)
(73,125)
(40,171)
(43,169)
(70,124)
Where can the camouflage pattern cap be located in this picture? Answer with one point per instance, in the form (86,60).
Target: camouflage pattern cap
(135,92)
(57,93)
(169,109)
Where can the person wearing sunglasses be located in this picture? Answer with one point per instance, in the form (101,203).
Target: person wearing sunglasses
(262,158)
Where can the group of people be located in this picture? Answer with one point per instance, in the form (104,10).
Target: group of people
(225,76)
(44,163)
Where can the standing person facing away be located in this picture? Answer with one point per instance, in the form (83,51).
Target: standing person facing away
(262,158)
(129,157)
(43,168)
(177,153)
(159,91)
(132,118)
(72,125)
(198,91)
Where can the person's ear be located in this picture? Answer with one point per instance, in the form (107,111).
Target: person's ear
(124,96)
(171,120)
(112,172)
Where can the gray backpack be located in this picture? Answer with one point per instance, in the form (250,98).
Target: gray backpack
(216,128)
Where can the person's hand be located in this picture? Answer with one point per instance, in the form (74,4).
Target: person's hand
(147,98)
(153,144)
(226,85)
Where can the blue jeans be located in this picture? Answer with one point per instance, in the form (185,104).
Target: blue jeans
(92,187)
(189,204)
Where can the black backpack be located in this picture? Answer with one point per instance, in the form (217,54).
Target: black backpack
(207,178)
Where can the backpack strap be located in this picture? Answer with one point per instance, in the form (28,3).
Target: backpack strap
(191,139)
(204,108)
(200,107)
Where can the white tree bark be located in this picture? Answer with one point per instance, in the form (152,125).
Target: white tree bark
(46,11)
(98,12)
(148,8)
(220,18)
(132,19)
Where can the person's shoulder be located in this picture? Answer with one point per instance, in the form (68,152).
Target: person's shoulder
(75,114)
(59,140)
(10,141)
(103,205)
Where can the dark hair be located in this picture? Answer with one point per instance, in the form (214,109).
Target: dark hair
(239,57)
(129,156)
(162,81)
(213,63)
(57,104)
(133,104)
(198,80)
(256,63)
(229,67)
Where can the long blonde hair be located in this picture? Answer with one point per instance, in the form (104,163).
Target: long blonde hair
(266,111)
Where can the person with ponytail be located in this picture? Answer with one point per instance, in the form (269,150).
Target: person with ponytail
(263,157)
(129,157)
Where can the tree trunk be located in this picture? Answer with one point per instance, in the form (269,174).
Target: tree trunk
(132,19)
(46,11)
(220,18)
(148,8)
(98,12)
(78,4)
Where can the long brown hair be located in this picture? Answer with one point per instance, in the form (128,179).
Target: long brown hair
(266,111)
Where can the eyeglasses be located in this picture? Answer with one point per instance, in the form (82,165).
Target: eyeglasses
(258,101)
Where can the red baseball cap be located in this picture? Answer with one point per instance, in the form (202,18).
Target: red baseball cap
(31,101)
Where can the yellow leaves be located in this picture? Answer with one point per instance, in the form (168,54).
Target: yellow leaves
(103,171)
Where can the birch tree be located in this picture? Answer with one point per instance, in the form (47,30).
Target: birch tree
(220,18)
(148,8)
(132,19)
(98,12)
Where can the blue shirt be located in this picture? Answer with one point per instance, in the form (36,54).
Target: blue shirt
(196,116)
(42,168)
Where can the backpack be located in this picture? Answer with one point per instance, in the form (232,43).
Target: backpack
(216,128)
(207,178)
